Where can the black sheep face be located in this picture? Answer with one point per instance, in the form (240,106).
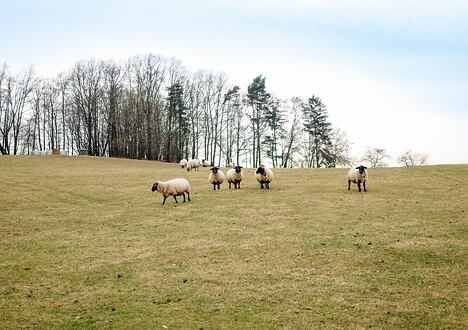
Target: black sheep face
(238,168)
(260,170)
(361,168)
(155,187)
(215,169)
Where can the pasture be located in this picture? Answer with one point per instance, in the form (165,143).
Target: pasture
(86,244)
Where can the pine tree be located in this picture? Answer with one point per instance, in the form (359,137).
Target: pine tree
(319,129)
(258,99)
(178,124)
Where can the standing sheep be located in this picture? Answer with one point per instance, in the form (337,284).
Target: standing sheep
(183,163)
(174,187)
(235,175)
(216,177)
(205,163)
(357,175)
(264,176)
(193,164)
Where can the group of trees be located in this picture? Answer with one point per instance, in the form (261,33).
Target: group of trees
(151,107)
(377,157)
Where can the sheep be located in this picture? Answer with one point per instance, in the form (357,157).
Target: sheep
(235,175)
(357,175)
(264,176)
(216,177)
(205,163)
(193,164)
(231,164)
(174,187)
(183,163)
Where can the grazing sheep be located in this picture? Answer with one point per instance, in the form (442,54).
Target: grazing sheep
(205,163)
(174,187)
(235,175)
(264,176)
(193,164)
(357,175)
(216,177)
(183,163)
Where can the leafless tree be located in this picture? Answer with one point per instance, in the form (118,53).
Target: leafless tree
(376,157)
(410,158)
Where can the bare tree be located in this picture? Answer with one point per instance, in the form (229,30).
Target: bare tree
(410,158)
(14,99)
(293,131)
(376,157)
(339,148)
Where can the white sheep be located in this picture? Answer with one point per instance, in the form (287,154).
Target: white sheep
(235,175)
(264,176)
(183,163)
(193,164)
(205,163)
(357,175)
(174,187)
(216,177)
(230,164)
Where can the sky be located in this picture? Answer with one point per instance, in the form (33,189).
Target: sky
(393,74)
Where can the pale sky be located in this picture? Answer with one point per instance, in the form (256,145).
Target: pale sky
(393,74)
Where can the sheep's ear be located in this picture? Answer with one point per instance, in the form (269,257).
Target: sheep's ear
(357,168)
(365,167)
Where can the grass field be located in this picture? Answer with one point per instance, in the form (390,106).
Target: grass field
(84,243)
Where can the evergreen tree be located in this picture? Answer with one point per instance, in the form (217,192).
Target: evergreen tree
(258,98)
(319,129)
(178,123)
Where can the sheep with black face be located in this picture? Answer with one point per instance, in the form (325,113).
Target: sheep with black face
(235,175)
(264,176)
(174,187)
(358,175)
(216,177)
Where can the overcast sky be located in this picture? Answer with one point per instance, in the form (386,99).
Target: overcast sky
(393,74)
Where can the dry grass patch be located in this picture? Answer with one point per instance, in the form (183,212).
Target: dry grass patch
(85,243)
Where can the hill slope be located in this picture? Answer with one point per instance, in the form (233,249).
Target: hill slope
(84,242)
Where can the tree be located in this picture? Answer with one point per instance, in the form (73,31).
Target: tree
(410,158)
(318,129)
(178,124)
(376,157)
(292,133)
(339,149)
(258,100)
(274,118)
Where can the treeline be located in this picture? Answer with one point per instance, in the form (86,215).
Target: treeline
(151,107)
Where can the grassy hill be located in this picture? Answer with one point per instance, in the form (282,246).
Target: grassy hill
(85,243)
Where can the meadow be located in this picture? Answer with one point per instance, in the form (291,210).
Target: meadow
(84,243)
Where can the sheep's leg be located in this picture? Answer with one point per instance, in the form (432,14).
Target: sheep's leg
(349,184)
(219,185)
(164,201)
(175,199)
(214,186)
(268,185)
(188,196)
(261,185)
(184,197)
(359,185)
(238,185)
(230,185)
(364,184)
